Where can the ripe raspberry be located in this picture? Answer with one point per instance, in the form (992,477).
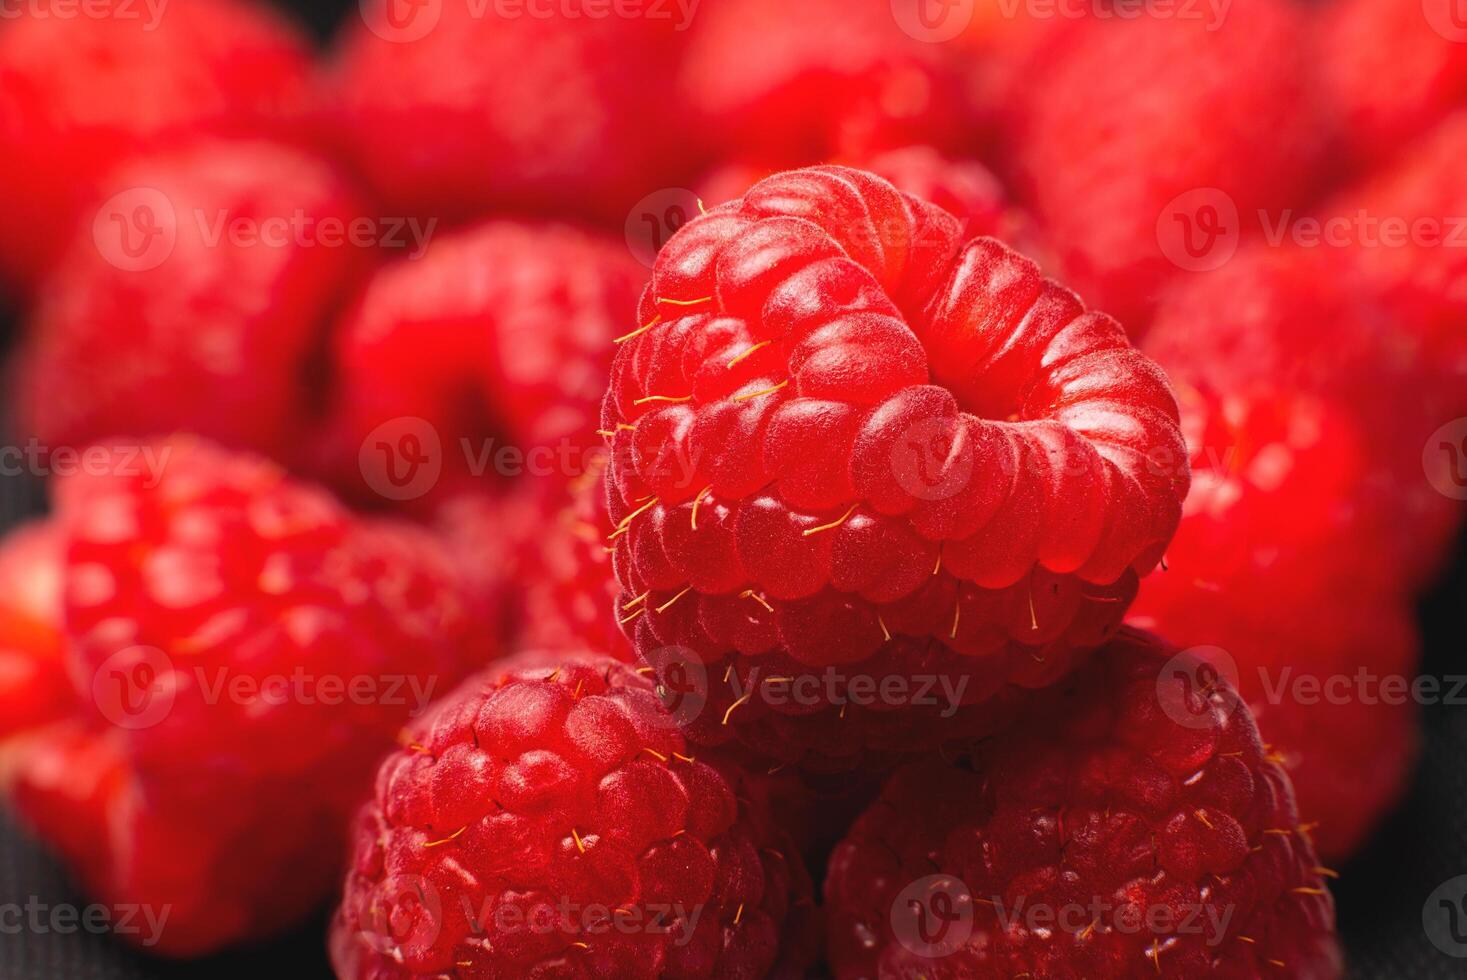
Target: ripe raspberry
(548,819)
(34,687)
(790,84)
(234,636)
(1296,318)
(499,338)
(216,337)
(81,94)
(1134,826)
(1280,518)
(459,111)
(1105,171)
(795,490)
(1390,72)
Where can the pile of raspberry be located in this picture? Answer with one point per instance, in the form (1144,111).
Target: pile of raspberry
(801,490)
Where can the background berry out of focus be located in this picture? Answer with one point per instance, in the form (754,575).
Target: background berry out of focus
(1382,889)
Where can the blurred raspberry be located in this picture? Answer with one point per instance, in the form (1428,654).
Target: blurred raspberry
(460,110)
(211,328)
(1391,72)
(235,636)
(1131,180)
(845,443)
(495,346)
(81,94)
(787,85)
(1134,826)
(548,819)
(34,687)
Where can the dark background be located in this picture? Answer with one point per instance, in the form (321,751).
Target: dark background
(1380,894)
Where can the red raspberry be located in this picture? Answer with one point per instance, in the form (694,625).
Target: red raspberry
(235,636)
(214,331)
(795,488)
(498,340)
(1279,518)
(1390,72)
(459,110)
(34,687)
(1105,171)
(548,819)
(1134,826)
(80,94)
(789,84)
(1296,319)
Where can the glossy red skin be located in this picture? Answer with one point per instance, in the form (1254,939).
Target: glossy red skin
(501,332)
(79,95)
(1299,319)
(787,85)
(34,687)
(226,572)
(526,114)
(1100,797)
(791,452)
(215,340)
(1099,166)
(562,778)
(1278,562)
(1389,74)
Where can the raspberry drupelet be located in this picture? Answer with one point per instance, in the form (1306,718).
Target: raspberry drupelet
(848,446)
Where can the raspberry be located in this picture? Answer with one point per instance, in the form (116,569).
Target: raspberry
(80,94)
(460,111)
(228,309)
(33,683)
(795,490)
(235,636)
(1105,171)
(548,819)
(1133,827)
(790,84)
(1294,318)
(1389,72)
(1279,518)
(499,338)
